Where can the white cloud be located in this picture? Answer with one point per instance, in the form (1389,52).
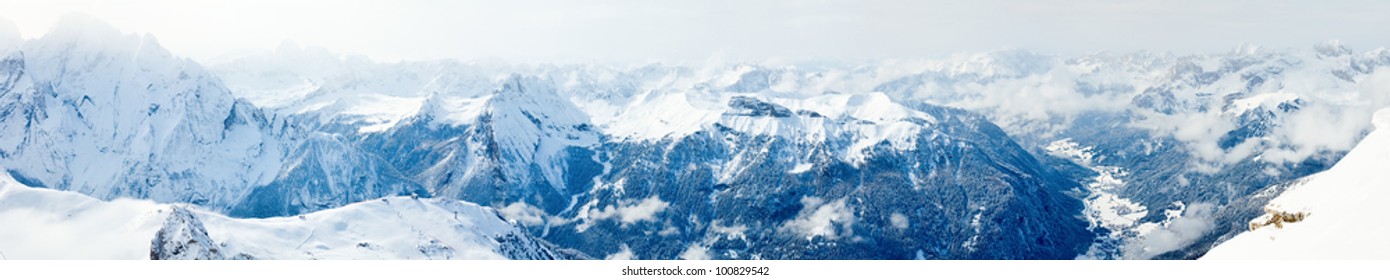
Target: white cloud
(1196,220)
(818,218)
(1336,123)
(695,252)
(668,231)
(644,210)
(733,231)
(1201,131)
(899,220)
(1327,121)
(1040,97)
(523,213)
(1316,129)
(624,253)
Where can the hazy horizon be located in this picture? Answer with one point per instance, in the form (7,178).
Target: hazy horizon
(683,33)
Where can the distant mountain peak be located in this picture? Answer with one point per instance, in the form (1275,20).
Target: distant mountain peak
(82,33)
(81,25)
(518,84)
(1332,48)
(1247,49)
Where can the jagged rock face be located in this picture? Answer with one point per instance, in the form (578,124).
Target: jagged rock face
(183,238)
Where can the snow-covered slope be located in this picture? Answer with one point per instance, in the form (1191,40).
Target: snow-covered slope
(1335,214)
(50,224)
(386,228)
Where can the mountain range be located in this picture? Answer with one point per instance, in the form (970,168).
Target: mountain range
(1000,155)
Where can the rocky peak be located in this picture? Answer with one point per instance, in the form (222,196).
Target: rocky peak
(183,238)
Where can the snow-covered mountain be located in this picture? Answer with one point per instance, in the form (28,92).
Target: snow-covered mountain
(1329,215)
(516,142)
(89,109)
(51,224)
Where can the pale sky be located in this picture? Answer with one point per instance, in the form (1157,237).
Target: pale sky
(531,31)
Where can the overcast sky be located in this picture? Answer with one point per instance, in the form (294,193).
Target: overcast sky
(693,31)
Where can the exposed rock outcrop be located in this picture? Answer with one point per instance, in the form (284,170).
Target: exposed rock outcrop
(183,238)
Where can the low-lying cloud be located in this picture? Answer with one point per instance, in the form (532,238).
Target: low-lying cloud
(818,218)
(695,252)
(898,220)
(644,210)
(1196,221)
(523,213)
(1335,124)
(624,253)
